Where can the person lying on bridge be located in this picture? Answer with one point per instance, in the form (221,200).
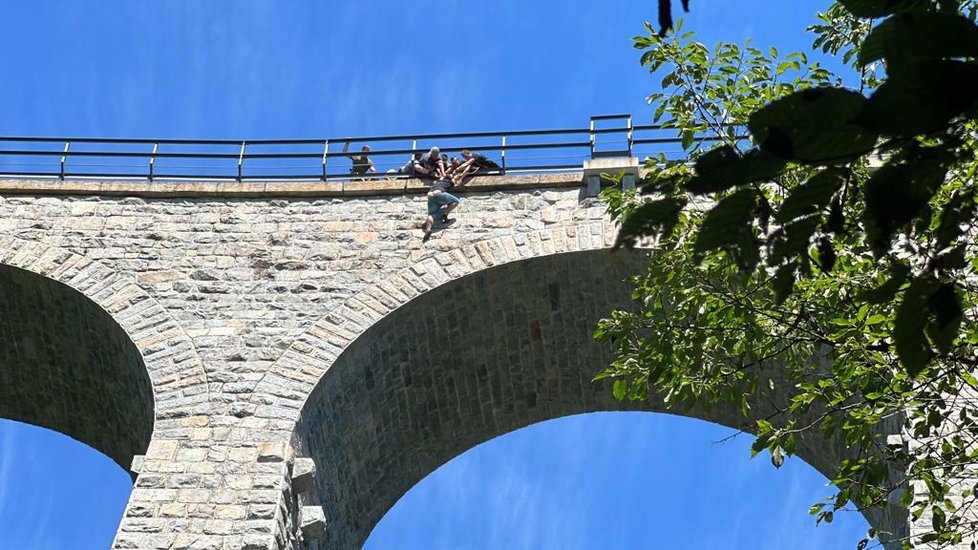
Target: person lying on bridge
(362,165)
(409,167)
(440,204)
(477,163)
(430,165)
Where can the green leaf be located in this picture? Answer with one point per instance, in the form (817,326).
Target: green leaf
(872,9)
(888,290)
(945,305)
(793,239)
(813,126)
(783,282)
(938,518)
(959,210)
(826,255)
(895,194)
(921,97)
(723,168)
(777,457)
(811,196)
(618,389)
(725,221)
(651,218)
(908,333)
(915,35)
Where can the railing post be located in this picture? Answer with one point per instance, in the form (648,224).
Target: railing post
(241,160)
(152,160)
(64,159)
(591,137)
(325,152)
(503,157)
(629,135)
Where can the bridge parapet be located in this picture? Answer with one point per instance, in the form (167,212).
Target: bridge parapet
(310,189)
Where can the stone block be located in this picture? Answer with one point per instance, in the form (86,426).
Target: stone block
(303,474)
(593,186)
(610,166)
(595,170)
(273,451)
(312,522)
(243,454)
(137,464)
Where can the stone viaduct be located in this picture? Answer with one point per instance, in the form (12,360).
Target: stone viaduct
(277,363)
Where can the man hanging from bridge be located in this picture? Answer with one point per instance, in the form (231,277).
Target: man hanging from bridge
(441,203)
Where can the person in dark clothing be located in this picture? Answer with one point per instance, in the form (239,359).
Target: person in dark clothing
(476,163)
(362,165)
(431,164)
(410,167)
(440,204)
(454,166)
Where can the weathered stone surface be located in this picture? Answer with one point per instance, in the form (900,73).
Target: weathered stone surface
(198,324)
(303,472)
(313,522)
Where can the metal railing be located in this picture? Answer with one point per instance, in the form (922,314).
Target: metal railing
(521,151)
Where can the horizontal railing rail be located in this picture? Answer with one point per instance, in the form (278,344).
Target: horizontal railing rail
(519,151)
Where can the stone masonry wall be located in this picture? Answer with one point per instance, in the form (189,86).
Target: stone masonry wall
(241,297)
(243,277)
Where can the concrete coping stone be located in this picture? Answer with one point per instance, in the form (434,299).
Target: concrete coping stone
(231,189)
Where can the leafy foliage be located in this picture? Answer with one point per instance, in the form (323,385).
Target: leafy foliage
(831,235)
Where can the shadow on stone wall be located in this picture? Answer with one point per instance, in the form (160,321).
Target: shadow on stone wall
(66,365)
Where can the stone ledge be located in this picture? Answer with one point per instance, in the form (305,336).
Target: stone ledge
(170,189)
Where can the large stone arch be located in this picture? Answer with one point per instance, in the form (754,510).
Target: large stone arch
(282,391)
(476,357)
(89,353)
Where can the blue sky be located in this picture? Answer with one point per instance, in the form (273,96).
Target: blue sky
(308,69)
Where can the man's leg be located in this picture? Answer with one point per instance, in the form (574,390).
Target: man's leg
(448,210)
(429,222)
(426,227)
(450,203)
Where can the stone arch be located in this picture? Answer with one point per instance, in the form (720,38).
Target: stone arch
(476,357)
(90,353)
(282,391)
